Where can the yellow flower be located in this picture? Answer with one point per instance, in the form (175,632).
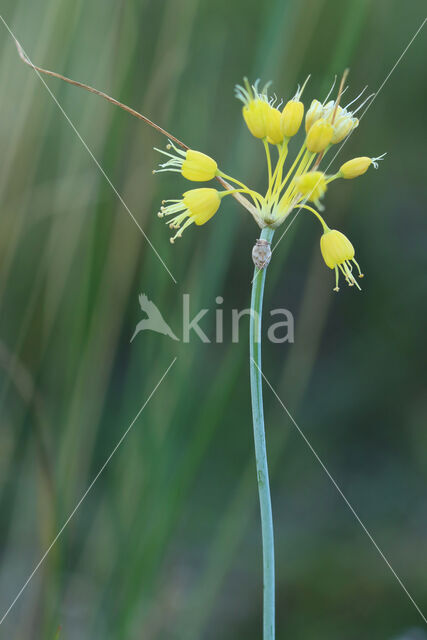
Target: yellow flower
(358,166)
(343,119)
(193,165)
(196,205)
(198,166)
(256,109)
(255,115)
(343,125)
(338,253)
(313,114)
(273,125)
(312,185)
(292,115)
(319,136)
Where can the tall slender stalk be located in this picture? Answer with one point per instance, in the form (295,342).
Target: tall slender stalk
(260,446)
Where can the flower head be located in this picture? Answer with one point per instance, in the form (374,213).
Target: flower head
(338,253)
(196,205)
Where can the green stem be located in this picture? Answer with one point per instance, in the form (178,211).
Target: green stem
(260,446)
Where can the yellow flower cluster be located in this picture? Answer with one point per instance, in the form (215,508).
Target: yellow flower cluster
(326,124)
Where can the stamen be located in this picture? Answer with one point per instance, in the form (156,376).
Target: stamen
(264,91)
(164,170)
(363,103)
(336,288)
(298,94)
(344,90)
(165,153)
(173,162)
(358,268)
(347,271)
(330,91)
(242,94)
(176,149)
(173,208)
(356,98)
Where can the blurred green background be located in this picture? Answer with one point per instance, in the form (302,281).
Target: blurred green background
(167,543)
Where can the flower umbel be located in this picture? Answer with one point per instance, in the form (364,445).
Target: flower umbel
(326,124)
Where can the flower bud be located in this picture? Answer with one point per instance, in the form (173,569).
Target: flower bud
(292,116)
(255,113)
(312,185)
(355,168)
(342,127)
(273,128)
(319,136)
(198,166)
(314,113)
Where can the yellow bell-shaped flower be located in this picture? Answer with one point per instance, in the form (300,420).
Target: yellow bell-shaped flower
(313,114)
(292,115)
(198,166)
(196,205)
(312,185)
(202,204)
(319,136)
(342,127)
(273,125)
(338,254)
(255,115)
(193,165)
